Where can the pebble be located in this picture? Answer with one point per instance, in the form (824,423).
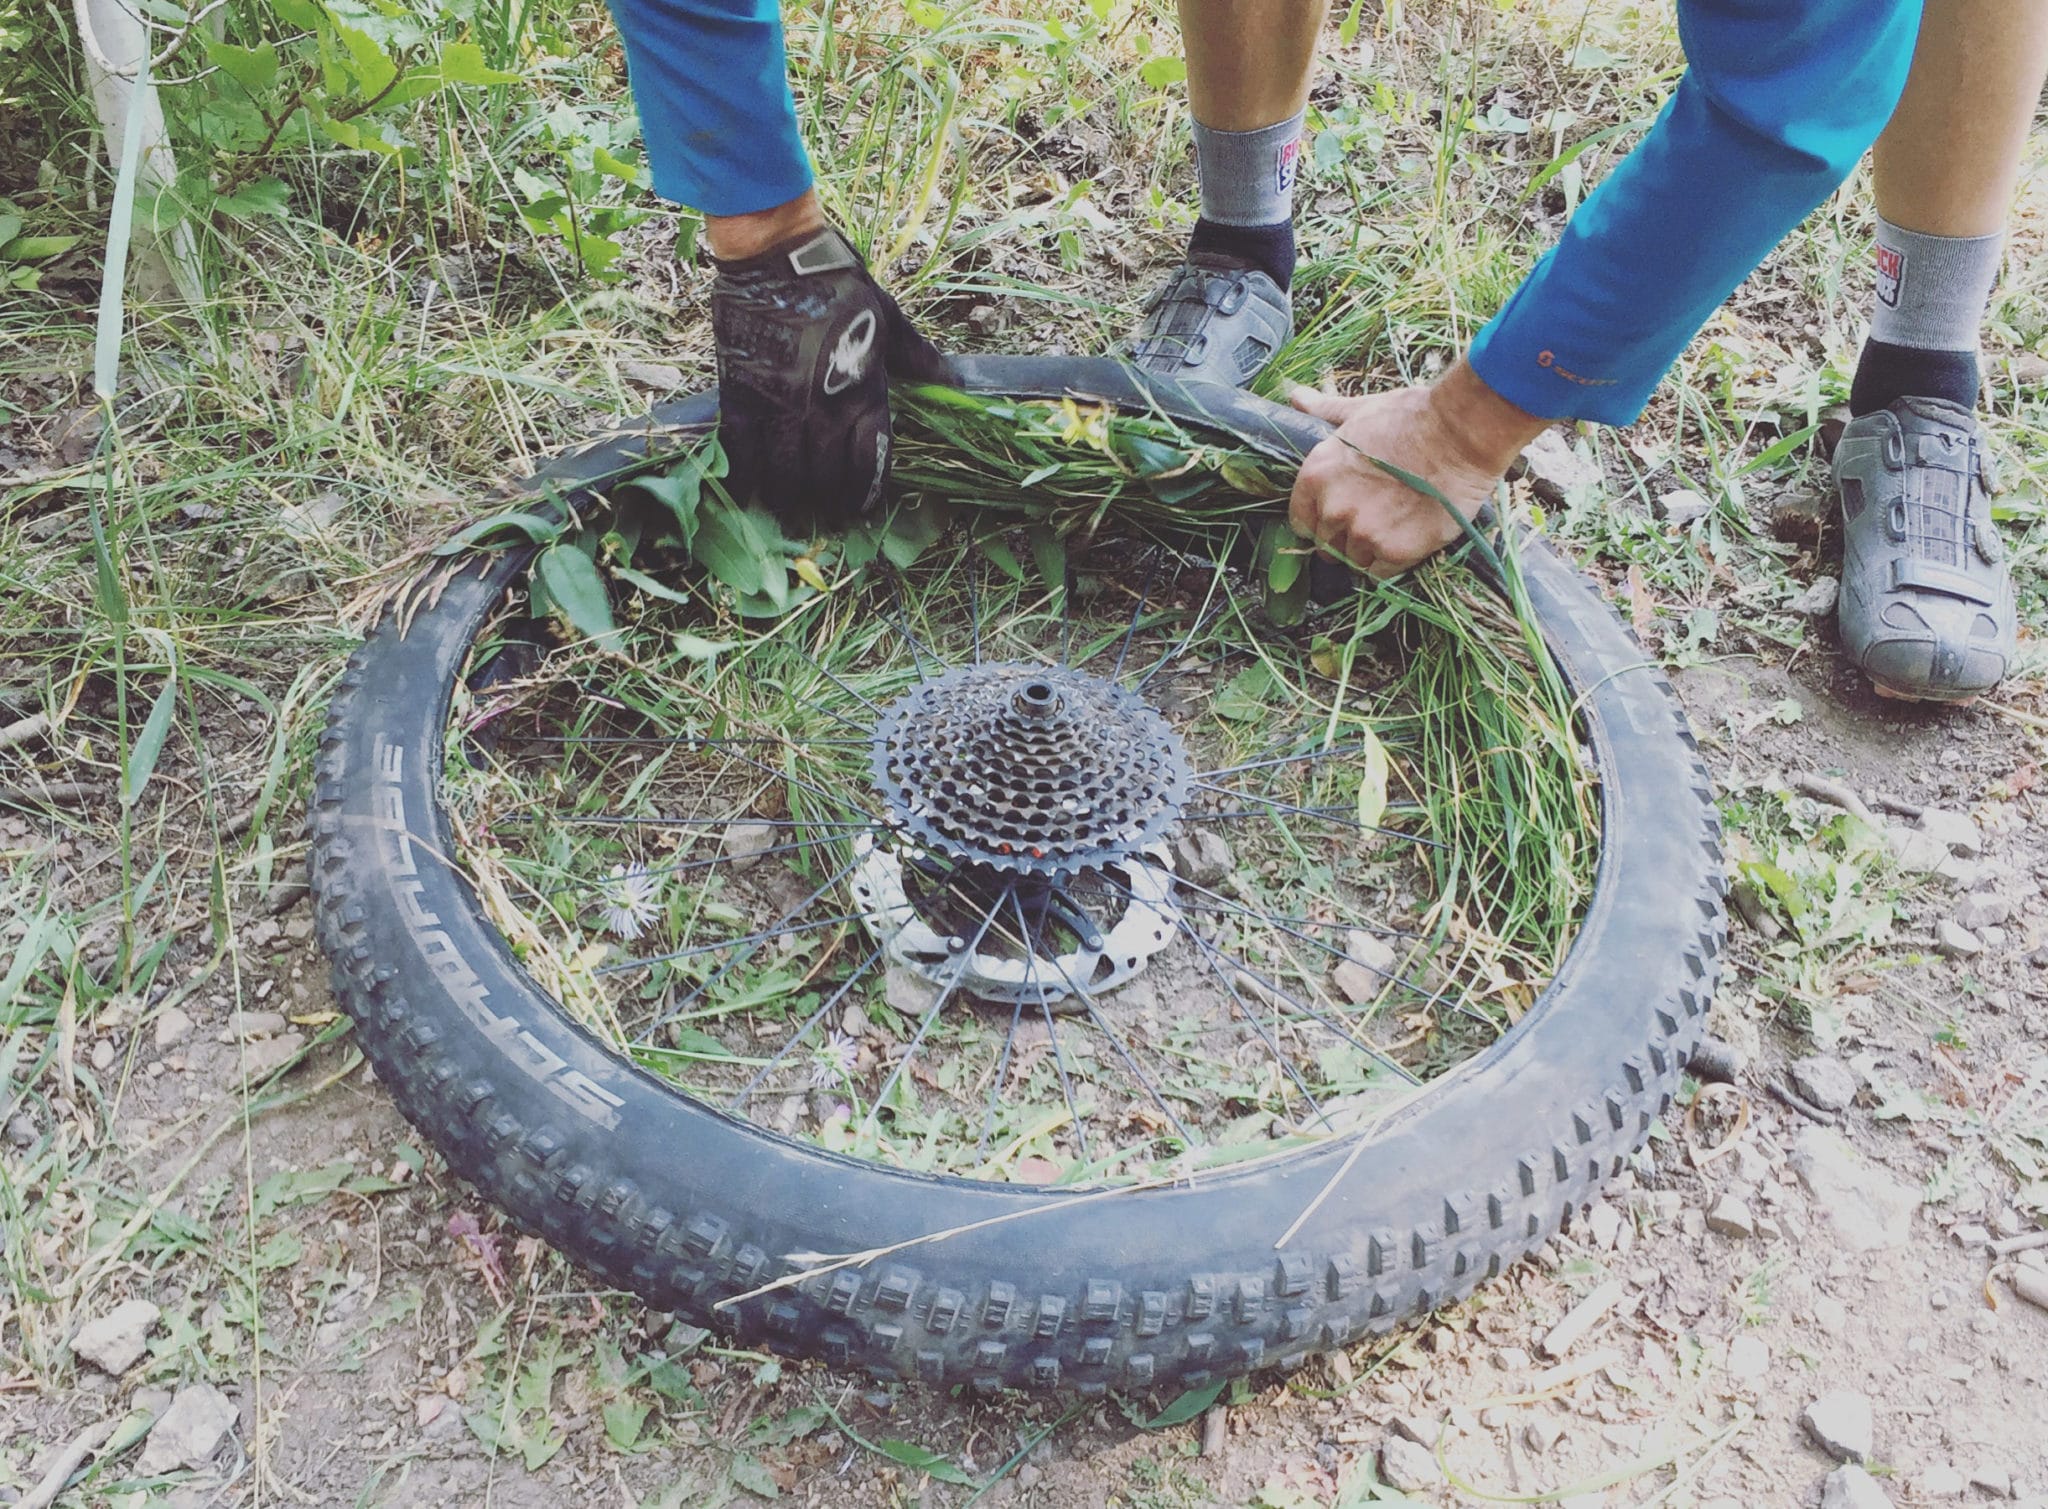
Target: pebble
(745,842)
(1953,830)
(1603,1225)
(1358,984)
(1682,506)
(1868,1208)
(189,1432)
(1954,941)
(1408,1467)
(1541,1433)
(103,1055)
(1852,1488)
(265,1057)
(172,1027)
(1982,909)
(1374,953)
(248,1024)
(1510,1359)
(1993,1480)
(1825,1081)
(1942,1483)
(1830,1314)
(1840,1424)
(1202,856)
(21,1129)
(1423,1430)
(1971,1235)
(1559,472)
(1818,600)
(1748,1358)
(1914,852)
(1731,1217)
(116,1341)
(1994,938)
(1216,1431)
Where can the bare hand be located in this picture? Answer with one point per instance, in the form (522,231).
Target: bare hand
(1456,434)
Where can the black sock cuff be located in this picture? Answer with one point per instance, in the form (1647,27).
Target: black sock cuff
(1269,248)
(1886,373)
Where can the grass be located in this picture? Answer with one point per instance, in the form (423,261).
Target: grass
(374,355)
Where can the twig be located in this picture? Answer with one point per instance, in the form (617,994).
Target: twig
(1801,1104)
(34,726)
(2007,1246)
(1898,806)
(75,1451)
(1835,794)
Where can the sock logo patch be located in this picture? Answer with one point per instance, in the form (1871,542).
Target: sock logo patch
(1891,272)
(1286,165)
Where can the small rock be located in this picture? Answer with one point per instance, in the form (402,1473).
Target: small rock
(173,1026)
(2031,1285)
(1868,1208)
(1915,852)
(1824,1081)
(1028,1477)
(1510,1359)
(103,1055)
(1992,1479)
(1970,1236)
(1942,1483)
(264,1058)
(248,1024)
(1585,1315)
(1357,984)
(1408,1467)
(189,1432)
(745,842)
(1370,952)
(151,1400)
(1541,1433)
(1748,1358)
(1682,506)
(1956,942)
(1559,471)
(1495,1417)
(1216,1430)
(1338,1361)
(1423,1430)
(117,1340)
(1731,1217)
(1201,856)
(983,319)
(1830,1314)
(1841,1425)
(1955,831)
(1818,599)
(21,1129)
(1994,938)
(908,993)
(1603,1225)
(1982,909)
(312,518)
(658,377)
(1798,518)
(1833,420)
(1852,1488)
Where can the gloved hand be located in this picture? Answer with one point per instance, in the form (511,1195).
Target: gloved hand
(807,343)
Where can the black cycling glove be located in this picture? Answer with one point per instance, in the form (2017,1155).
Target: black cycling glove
(807,343)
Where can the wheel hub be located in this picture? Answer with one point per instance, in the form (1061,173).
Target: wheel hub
(1034,801)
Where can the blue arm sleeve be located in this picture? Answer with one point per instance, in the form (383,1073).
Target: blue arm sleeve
(711,83)
(1779,100)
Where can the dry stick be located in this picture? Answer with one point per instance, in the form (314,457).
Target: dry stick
(2007,1246)
(1801,1104)
(1835,794)
(34,726)
(69,1460)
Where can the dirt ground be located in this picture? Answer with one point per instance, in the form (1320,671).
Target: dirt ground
(391,1313)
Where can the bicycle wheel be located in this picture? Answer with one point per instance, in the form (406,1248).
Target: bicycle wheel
(1018,965)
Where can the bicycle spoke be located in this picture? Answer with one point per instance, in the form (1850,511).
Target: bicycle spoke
(1059,1057)
(1137,613)
(740,1098)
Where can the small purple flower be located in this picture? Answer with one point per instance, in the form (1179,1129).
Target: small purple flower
(834,1061)
(630,900)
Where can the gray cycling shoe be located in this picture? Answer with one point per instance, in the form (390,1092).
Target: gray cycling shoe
(1927,602)
(1216,320)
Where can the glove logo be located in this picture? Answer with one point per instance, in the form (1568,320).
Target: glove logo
(849,360)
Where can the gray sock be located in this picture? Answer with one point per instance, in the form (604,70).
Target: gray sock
(1248,176)
(1932,290)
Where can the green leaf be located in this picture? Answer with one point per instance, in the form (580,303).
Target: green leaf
(1243,697)
(912,531)
(1186,1407)
(499,528)
(748,1473)
(691,647)
(266,196)
(1347,30)
(623,1421)
(463,63)
(574,584)
(303,14)
(142,755)
(10,227)
(918,1459)
(1163,71)
(1372,781)
(35,248)
(1049,551)
(368,64)
(741,548)
(254,68)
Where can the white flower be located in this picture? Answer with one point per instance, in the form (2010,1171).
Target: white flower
(834,1061)
(630,900)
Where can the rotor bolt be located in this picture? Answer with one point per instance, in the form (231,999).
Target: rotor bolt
(956,945)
